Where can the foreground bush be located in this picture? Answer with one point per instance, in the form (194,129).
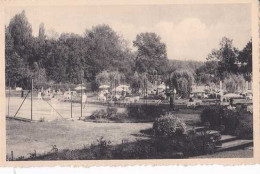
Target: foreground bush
(169,125)
(245,127)
(235,122)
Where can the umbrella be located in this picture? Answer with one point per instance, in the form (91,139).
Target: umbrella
(79,88)
(119,89)
(103,87)
(161,86)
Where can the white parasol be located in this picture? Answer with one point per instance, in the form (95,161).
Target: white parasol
(103,87)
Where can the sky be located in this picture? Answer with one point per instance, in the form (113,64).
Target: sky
(190,32)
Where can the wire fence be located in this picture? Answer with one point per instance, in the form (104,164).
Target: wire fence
(48,103)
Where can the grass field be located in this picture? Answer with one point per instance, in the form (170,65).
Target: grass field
(24,137)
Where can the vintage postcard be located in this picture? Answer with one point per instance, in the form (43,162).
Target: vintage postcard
(91,83)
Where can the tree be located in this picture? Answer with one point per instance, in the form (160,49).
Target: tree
(106,51)
(245,59)
(103,78)
(56,62)
(151,53)
(234,83)
(21,32)
(42,35)
(207,73)
(226,56)
(38,74)
(182,81)
(15,68)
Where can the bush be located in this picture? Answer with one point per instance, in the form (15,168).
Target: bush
(146,111)
(98,114)
(109,114)
(111,111)
(212,115)
(234,122)
(200,143)
(169,125)
(244,130)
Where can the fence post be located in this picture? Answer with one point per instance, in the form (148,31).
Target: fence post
(32,100)
(81,101)
(9,99)
(12,155)
(70,104)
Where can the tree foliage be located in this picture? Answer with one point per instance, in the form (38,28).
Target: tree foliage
(245,59)
(151,53)
(102,55)
(182,81)
(226,56)
(227,64)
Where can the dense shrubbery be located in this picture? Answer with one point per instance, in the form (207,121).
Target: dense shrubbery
(109,114)
(197,143)
(149,112)
(169,125)
(133,113)
(245,126)
(235,122)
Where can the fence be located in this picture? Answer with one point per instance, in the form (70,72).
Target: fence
(41,104)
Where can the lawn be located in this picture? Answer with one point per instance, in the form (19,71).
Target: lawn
(76,137)
(24,137)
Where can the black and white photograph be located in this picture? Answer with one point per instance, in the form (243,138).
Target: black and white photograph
(129,82)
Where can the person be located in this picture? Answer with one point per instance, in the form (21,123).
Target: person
(39,95)
(84,99)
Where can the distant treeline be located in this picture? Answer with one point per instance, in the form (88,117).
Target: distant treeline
(72,58)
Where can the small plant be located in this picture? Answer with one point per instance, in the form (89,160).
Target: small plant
(98,114)
(20,158)
(169,125)
(102,142)
(32,155)
(54,149)
(111,111)
(42,119)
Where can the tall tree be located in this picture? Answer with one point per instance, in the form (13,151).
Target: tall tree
(21,32)
(226,56)
(42,35)
(15,69)
(151,53)
(245,59)
(106,51)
